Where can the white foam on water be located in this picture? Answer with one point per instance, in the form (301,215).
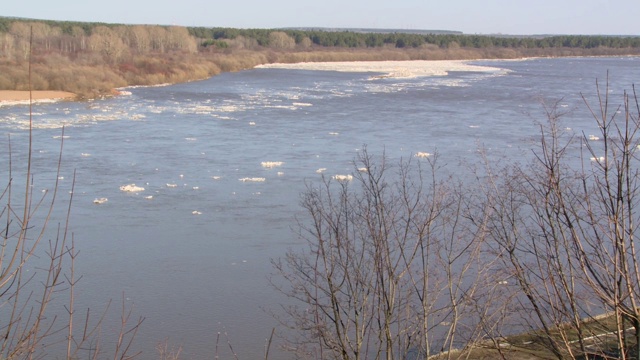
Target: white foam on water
(26,102)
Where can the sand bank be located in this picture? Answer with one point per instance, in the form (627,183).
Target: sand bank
(390,68)
(13,97)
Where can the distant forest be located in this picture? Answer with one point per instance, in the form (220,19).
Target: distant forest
(91,59)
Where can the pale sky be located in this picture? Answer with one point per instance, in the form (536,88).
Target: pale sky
(606,17)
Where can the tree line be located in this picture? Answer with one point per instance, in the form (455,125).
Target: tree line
(353,39)
(70,36)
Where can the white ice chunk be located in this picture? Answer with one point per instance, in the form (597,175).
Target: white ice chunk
(271,164)
(343,177)
(255,179)
(131,188)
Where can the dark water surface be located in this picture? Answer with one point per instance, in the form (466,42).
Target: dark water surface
(194,275)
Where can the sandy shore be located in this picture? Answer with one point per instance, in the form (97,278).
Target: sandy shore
(12,96)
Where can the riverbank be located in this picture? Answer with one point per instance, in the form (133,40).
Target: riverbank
(91,76)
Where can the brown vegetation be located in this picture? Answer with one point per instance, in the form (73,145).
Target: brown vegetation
(93,59)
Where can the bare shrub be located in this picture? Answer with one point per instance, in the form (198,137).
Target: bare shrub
(37,272)
(564,228)
(390,265)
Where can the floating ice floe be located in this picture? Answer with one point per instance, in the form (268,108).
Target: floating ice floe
(149,197)
(321,170)
(100,200)
(301,104)
(422,154)
(255,179)
(172,185)
(343,177)
(216,177)
(190,139)
(392,68)
(599,159)
(593,138)
(271,164)
(196,212)
(280,173)
(196,188)
(85,154)
(252,123)
(131,188)
(363,169)
(334,133)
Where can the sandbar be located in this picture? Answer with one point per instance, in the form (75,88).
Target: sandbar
(21,97)
(405,68)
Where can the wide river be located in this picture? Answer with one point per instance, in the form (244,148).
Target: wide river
(192,251)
